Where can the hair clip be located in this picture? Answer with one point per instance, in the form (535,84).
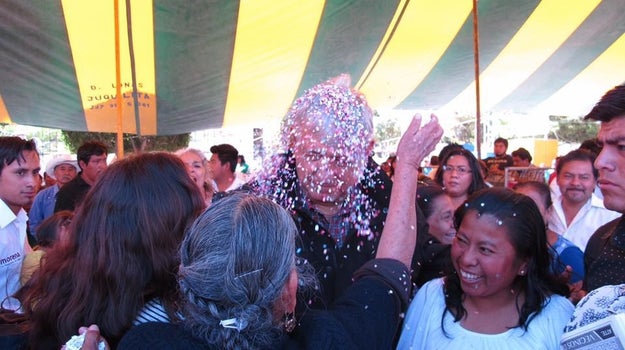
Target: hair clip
(233,323)
(248,273)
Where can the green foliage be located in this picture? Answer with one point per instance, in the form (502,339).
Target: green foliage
(464,130)
(48,140)
(132,143)
(576,131)
(387,130)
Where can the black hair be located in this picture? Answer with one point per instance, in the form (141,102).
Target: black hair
(578,155)
(525,228)
(12,149)
(226,154)
(90,148)
(477,180)
(426,195)
(501,140)
(610,106)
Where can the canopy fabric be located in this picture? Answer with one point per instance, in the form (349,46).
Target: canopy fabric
(193,65)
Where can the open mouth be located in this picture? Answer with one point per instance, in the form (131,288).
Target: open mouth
(450,235)
(469,277)
(328,187)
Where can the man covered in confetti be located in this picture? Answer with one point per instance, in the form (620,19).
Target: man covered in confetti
(327,179)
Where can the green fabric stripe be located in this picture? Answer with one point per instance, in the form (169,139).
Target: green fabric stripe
(499,20)
(194,42)
(348,36)
(604,26)
(37,77)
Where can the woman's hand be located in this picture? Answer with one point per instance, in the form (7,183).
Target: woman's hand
(91,340)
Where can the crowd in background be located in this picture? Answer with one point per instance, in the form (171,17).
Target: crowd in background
(321,248)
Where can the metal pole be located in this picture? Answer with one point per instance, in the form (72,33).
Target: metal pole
(118,87)
(476,55)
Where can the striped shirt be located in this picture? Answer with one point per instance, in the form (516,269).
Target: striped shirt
(153,311)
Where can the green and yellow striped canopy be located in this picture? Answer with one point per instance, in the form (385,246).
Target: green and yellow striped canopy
(186,65)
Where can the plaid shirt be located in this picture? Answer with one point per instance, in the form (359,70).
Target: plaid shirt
(335,225)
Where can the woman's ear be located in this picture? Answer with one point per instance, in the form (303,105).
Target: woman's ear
(291,292)
(288,298)
(523,269)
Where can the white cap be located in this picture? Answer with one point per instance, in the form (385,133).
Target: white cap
(58,160)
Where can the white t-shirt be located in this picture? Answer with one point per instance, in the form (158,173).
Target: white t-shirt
(238,182)
(422,326)
(13,248)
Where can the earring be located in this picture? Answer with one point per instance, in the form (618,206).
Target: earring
(289,322)
(522,272)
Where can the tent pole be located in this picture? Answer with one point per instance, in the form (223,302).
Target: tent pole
(118,86)
(133,74)
(476,55)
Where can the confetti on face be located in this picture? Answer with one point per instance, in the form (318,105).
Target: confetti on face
(328,133)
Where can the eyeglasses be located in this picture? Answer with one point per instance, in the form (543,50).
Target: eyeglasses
(340,161)
(459,169)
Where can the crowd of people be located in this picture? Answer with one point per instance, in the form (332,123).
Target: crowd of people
(322,248)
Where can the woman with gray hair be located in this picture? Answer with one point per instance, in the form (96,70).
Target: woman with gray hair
(239,280)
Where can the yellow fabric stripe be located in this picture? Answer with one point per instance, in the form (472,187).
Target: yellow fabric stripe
(378,52)
(589,85)
(424,33)
(4,113)
(269,58)
(551,23)
(93,48)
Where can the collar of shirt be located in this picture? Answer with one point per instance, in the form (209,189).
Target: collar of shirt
(7,216)
(595,201)
(335,225)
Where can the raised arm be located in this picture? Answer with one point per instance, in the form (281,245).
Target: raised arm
(399,235)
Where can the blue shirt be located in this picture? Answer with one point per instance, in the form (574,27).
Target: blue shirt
(42,208)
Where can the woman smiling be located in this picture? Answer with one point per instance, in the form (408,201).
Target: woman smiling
(501,293)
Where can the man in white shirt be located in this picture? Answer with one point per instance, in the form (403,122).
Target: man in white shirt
(19,171)
(577,213)
(222,165)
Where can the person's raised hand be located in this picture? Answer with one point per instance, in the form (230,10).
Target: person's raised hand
(399,235)
(418,141)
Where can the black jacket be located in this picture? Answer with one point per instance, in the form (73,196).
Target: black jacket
(72,194)
(604,257)
(366,316)
(333,264)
